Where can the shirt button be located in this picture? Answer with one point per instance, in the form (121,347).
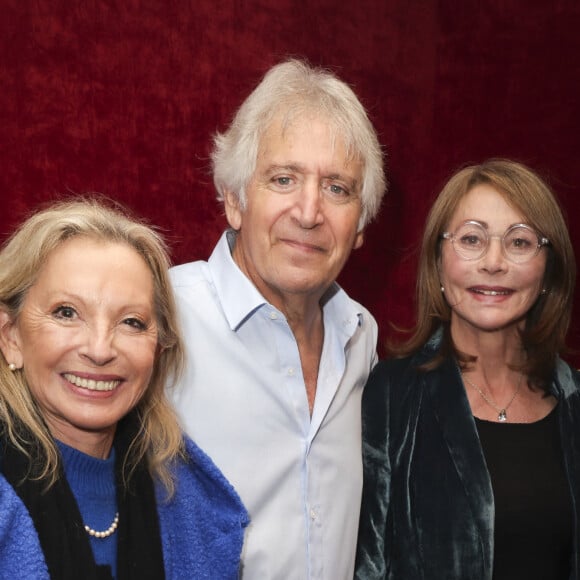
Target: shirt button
(291,372)
(313,514)
(273,316)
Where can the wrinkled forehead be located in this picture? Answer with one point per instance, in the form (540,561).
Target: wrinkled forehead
(301,114)
(308,145)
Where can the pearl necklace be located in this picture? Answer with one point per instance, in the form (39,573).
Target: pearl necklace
(108,532)
(502,412)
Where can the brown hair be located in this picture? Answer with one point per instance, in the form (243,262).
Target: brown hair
(547,322)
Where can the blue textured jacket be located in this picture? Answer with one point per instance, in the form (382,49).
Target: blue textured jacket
(202,526)
(428,507)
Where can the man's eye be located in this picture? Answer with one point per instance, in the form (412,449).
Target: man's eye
(338,190)
(283,180)
(66,312)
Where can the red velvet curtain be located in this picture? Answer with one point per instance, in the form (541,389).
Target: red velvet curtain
(122,96)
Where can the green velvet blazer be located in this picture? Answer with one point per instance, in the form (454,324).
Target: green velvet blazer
(428,508)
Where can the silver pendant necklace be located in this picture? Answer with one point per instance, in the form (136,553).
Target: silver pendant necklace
(502,411)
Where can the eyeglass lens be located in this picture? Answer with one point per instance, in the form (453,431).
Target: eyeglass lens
(519,243)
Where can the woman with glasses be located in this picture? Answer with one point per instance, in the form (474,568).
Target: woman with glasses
(472,432)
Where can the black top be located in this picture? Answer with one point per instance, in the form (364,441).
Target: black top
(533,507)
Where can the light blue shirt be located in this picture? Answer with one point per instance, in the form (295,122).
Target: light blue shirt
(243,400)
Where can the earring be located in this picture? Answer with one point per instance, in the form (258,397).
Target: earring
(442,288)
(12,367)
(544,291)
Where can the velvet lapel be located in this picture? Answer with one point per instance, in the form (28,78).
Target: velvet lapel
(453,413)
(566,389)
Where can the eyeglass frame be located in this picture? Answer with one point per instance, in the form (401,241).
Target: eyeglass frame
(542,241)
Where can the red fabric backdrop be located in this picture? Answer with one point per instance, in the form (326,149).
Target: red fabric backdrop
(122,96)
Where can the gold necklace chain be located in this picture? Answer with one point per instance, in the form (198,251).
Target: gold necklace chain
(502,411)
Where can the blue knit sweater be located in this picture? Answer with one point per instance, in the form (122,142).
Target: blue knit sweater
(202,526)
(92,482)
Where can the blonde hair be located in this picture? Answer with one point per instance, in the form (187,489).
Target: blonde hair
(159,439)
(547,321)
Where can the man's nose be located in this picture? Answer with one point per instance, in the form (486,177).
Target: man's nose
(309,205)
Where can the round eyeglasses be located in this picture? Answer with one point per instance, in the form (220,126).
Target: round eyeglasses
(519,243)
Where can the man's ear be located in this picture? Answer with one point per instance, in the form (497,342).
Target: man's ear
(233,211)
(10,340)
(359,240)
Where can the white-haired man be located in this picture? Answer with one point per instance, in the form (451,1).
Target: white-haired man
(278,354)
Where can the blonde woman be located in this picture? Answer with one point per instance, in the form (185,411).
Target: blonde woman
(97,480)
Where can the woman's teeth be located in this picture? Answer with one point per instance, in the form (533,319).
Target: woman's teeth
(91,384)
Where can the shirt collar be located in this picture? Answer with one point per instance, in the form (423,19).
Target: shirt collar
(339,309)
(240,299)
(237,295)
